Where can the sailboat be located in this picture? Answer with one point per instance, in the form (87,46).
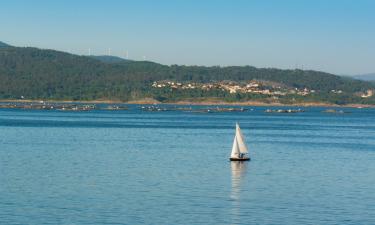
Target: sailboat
(239,149)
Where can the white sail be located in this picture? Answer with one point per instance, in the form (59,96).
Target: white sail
(235,149)
(240,140)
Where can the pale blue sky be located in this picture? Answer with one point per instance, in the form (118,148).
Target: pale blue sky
(336,36)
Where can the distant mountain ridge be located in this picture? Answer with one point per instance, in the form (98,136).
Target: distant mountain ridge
(109,58)
(2,44)
(366,77)
(48,74)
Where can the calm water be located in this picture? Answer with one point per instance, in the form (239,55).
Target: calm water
(133,167)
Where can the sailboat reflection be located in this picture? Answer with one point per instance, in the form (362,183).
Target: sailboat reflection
(238,173)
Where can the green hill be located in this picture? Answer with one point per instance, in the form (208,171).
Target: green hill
(48,74)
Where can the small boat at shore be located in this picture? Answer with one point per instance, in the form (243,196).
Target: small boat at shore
(239,149)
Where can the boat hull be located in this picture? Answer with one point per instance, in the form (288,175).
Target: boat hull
(240,159)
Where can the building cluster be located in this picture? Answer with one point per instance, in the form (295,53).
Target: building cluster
(368,93)
(336,91)
(254,86)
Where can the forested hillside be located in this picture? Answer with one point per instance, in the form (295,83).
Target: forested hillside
(47,74)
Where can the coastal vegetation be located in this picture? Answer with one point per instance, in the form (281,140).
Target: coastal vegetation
(31,73)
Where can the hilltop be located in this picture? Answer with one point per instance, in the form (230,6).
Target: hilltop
(32,73)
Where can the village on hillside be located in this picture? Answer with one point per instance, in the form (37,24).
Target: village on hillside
(254,86)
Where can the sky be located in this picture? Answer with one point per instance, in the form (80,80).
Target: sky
(336,36)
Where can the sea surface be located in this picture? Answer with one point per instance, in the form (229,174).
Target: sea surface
(136,167)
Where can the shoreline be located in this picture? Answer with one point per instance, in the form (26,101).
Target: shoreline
(197,103)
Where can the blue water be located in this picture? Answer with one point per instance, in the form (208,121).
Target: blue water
(134,167)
